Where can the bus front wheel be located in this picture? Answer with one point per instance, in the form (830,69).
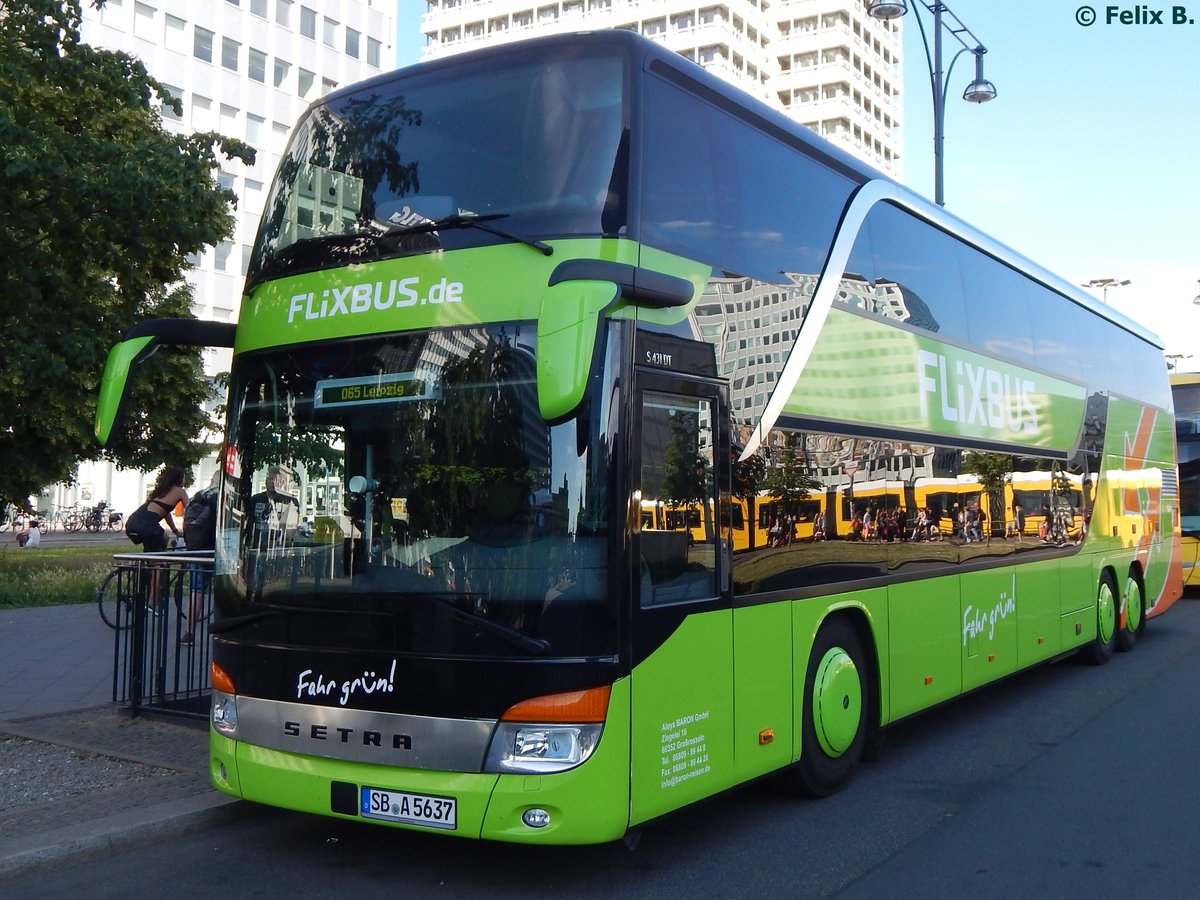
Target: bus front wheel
(836,700)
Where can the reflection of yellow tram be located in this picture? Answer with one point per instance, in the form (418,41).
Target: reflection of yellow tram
(749,532)
(1052,504)
(1185,391)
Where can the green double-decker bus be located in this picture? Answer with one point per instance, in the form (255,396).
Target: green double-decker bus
(536,345)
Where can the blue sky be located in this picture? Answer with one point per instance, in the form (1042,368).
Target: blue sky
(1087,161)
(408,31)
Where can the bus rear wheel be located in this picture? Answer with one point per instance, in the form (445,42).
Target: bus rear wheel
(836,700)
(1100,650)
(1134,619)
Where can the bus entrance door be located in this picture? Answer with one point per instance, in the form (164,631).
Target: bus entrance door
(682,682)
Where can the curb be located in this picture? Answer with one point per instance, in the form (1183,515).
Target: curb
(119,833)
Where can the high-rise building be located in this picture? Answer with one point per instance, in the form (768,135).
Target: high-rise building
(246,69)
(825,63)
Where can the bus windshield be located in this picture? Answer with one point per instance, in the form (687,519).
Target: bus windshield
(410,484)
(534,145)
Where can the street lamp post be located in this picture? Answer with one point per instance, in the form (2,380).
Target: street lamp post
(980,90)
(1104,284)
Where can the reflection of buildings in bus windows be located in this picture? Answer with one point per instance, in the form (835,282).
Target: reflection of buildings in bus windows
(835,460)
(887,299)
(754,324)
(324,202)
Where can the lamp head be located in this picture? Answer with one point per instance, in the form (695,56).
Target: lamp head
(886,9)
(980,90)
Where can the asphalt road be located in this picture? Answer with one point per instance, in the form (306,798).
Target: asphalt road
(1064,781)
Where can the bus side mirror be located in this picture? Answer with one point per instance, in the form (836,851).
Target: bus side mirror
(114,385)
(580,293)
(567,342)
(138,345)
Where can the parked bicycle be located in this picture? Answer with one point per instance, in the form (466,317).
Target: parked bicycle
(20,520)
(102,516)
(73,520)
(122,589)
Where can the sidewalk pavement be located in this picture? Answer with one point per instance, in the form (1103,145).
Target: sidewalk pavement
(80,778)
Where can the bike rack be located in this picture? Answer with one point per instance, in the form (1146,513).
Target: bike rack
(154,668)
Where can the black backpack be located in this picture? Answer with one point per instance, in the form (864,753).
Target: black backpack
(200,520)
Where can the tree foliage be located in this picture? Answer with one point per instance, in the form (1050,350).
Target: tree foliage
(993,470)
(103,206)
(790,480)
(685,473)
(748,477)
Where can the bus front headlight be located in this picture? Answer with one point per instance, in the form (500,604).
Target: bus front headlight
(540,749)
(224,714)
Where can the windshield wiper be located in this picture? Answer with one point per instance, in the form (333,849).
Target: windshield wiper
(512,635)
(235,622)
(320,251)
(324,250)
(469,220)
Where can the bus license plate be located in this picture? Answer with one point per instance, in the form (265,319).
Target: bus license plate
(412,809)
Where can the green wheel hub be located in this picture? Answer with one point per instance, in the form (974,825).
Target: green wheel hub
(836,701)
(1135,606)
(1106,613)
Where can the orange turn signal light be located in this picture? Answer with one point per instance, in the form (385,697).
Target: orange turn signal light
(573,707)
(221,680)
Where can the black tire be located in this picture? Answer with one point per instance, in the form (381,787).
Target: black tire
(1132,620)
(1100,650)
(837,697)
(115,598)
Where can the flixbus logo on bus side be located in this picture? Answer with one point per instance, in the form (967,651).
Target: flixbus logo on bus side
(869,371)
(395,293)
(976,395)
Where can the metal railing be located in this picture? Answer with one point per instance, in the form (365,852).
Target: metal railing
(162,600)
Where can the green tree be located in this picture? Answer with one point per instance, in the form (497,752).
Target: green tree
(994,471)
(101,210)
(748,475)
(789,479)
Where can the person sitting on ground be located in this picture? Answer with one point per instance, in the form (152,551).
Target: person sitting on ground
(819,527)
(30,536)
(920,531)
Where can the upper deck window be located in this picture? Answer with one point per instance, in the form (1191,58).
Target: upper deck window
(538,142)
